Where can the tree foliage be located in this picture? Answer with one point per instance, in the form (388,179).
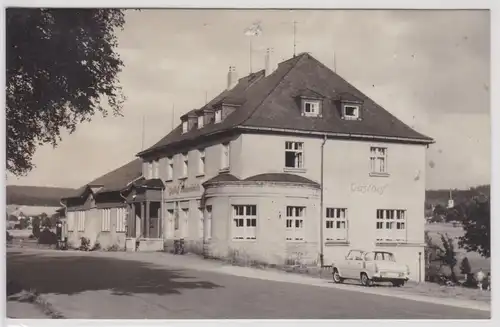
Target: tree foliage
(61,69)
(477,226)
(447,255)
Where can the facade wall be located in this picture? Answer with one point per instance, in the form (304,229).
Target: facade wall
(93,225)
(348,184)
(270,244)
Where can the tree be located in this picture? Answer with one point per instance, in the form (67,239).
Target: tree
(36,226)
(439,210)
(13,218)
(476,225)
(61,68)
(447,255)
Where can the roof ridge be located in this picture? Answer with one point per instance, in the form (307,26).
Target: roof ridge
(274,88)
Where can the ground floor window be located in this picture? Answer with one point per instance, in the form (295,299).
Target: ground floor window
(201,223)
(244,222)
(336,224)
(208,222)
(295,223)
(71,221)
(105,220)
(184,223)
(391,225)
(81,220)
(121,219)
(171,220)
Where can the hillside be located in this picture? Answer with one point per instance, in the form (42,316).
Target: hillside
(36,195)
(433,197)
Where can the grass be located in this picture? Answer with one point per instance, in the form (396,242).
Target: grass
(33,297)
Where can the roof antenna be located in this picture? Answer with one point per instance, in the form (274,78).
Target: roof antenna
(143,131)
(334,62)
(173,112)
(294,37)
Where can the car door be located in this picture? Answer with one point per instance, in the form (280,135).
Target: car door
(356,266)
(347,267)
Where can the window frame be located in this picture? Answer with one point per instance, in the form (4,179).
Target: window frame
(225,156)
(335,217)
(292,147)
(357,110)
(185,164)
(184,126)
(294,233)
(170,168)
(208,222)
(218,116)
(106,220)
(200,122)
(201,162)
(121,220)
(391,225)
(315,108)
(246,221)
(378,160)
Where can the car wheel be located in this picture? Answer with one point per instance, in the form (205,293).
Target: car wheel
(336,277)
(398,284)
(365,281)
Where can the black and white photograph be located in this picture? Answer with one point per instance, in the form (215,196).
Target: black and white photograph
(247,163)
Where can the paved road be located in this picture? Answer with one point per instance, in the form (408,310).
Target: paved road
(93,287)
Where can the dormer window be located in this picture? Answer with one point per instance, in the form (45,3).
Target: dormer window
(184,127)
(200,121)
(218,115)
(310,108)
(351,112)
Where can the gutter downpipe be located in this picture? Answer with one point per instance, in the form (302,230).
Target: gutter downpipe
(321,254)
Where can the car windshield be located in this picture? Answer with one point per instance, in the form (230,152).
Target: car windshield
(384,256)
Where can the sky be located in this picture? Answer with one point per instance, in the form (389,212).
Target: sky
(431,69)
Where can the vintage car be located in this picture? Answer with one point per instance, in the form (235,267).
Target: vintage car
(370,267)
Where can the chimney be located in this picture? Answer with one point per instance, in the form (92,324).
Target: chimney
(268,66)
(232,77)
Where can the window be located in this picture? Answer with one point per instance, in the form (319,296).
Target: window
(184,127)
(378,160)
(355,255)
(244,222)
(149,170)
(156,167)
(185,226)
(170,169)
(201,163)
(218,115)
(295,223)
(121,220)
(391,225)
(105,220)
(71,221)
(171,220)
(351,112)
(201,230)
(208,222)
(81,221)
(225,160)
(200,121)
(294,155)
(185,164)
(311,108)
(176,219)
(336,224)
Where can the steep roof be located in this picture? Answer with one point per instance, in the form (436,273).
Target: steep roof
(114,180)
(36,195)
(270,102)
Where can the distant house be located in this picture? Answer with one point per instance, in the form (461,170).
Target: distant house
(97,211)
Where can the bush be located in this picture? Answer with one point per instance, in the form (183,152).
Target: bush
(112,248)
(96,246)
(31,236)
(465,267)
(9,237)
(47,237)
(84,244)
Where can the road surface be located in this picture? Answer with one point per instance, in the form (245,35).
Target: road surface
(88,287)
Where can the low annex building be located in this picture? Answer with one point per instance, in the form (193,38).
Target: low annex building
(293,165)
(97,211)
